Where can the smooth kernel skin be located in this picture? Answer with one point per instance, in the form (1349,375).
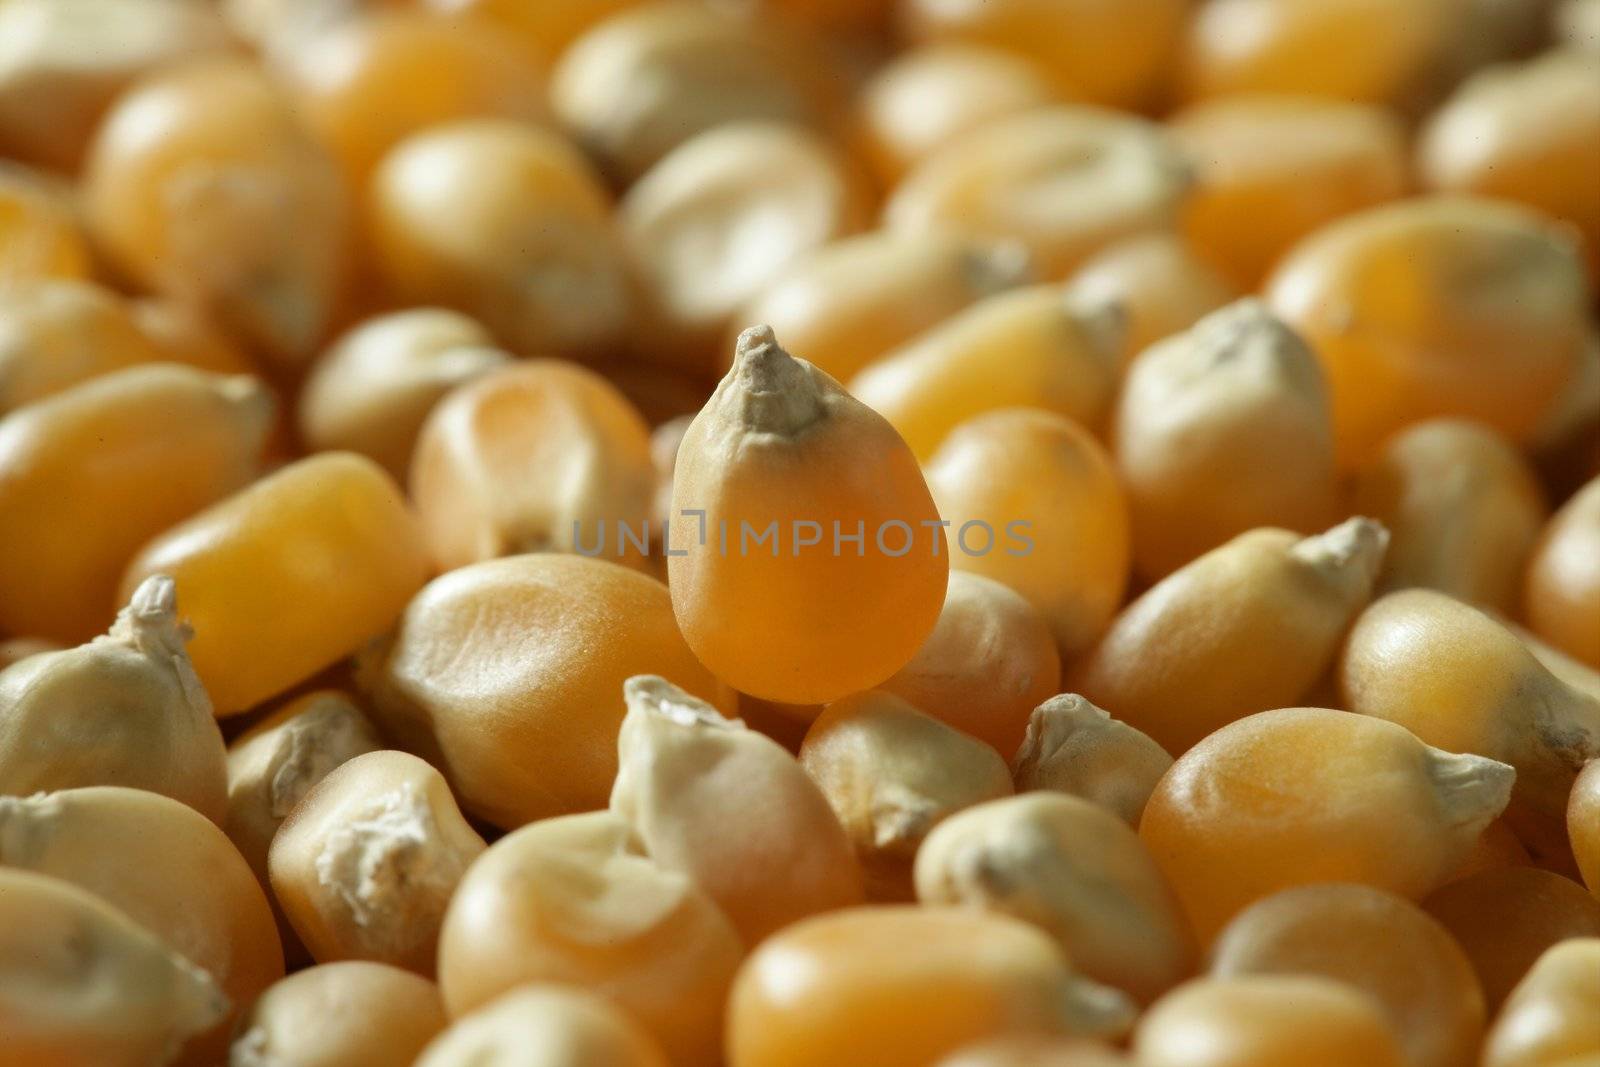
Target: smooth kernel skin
(1578,25)
(347,1014)
(1505,920)
(1256,807)
(128,1000)
(372,390)
(1036,347)
(57,333)
(1265,1022)
(289,575)
(1220,430)
(1073,869)
(125,709)
(14,650)
(1111,54)
(1372,941)
(1528,133)
(365,865)
(1561,598)
(1036,1052)
(931,94)
(1018,466)
(575,900)
(1583,824)
(892,773)
(369,83)
(40,235)
(1553,1014)
(1162,286)
(1361,51)
(537,456)
(508,676)
(639,84)
(897,986)
(509,224)
(731,809)
(1247,627)
(187,187)
(544,29)
(723,215)
(1462,507)
(855,301)
(1073,747)
(990,660)
(1415,308)
(1064,182)
(1272,170)
(89,475)
(167,868)
(1458,679)
(780,445)
(544,1026)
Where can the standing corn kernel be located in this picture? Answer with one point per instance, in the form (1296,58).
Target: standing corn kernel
(289,575)
(1583,824)
(988,663)
(1112,54)
(902,986)
(1031,500)
(720,217)
(1247,627)
(1562,595)
(1265,1022)
(538,456)
(1305,795)
(1220,430)
(1437,306)
(1460,680)
(544,1026)
(779,449)
(1462,507)
(367,861)
(349,1014)
(1160,284)
(1506,919)
(372,390)
(575,900)
(368,83)
(126,1000)
(1554,1011)
(506,675)
(1064,182)
(188,187)
(1075,871)
(1271,170)
(1529,133)
(509,224)
(1038,347)
(126,709)
(40,235)
(859,299)
(1074,747)
(1373,941)
(891,774)
(88,476)
(730,809)
(167,869)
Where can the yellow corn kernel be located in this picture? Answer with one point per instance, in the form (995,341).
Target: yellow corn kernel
(539,1025)
(1064,182)
(1583,824)
(55,333)
(1032,501)
(89,475)
(289,575)
(1553,1013)
(1036,1052)
(188,187)
(366,863)
(508,675)
(778,453)
(1038,347)
(544,29)
(1562,594)
(40,235)
(1303,795)
(575,900)
(1160,284)
(348,1014)
(1074,747)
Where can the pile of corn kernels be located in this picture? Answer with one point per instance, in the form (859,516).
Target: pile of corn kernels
(799,533)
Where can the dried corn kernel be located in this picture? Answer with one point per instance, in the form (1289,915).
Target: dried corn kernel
(57,333)
(1583,824)
(1074,747)
(349,1014)
(1562,595)
(544,1026)
(40,235)
(1553,1012)
(1160,284)
(1036,1052)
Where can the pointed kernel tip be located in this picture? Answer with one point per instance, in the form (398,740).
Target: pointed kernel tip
(1074,705)
(156,596)
(776,393)
(1472,791)
(650,694)
(1356,546)
(753,339)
